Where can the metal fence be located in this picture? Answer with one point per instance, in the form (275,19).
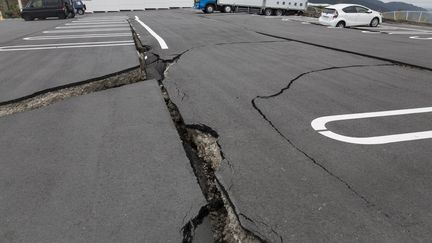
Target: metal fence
(410,16)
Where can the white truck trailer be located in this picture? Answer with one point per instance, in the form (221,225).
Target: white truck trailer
(267,7)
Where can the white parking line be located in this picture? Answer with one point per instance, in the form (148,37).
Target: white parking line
(97,23)
(85,30)
(66,45)
(409,33)
(161,41)
(104,18)
(370,32)
(91,26)
(60,37)
(319,125)
(420,38)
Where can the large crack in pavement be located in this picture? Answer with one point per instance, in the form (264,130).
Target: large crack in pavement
(200,144)
(346,51)
(50,96)
(400,63)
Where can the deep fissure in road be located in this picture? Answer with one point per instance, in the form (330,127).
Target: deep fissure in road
(200,144)
(50,96)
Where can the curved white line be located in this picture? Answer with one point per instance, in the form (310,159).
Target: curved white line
(161,41)
(319,125)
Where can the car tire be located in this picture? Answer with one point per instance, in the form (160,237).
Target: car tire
(62,16)
(374,22)
(278,12)
(28,18)
(209,9)
(227,9)
(268,12)
(80,12)
(340,24)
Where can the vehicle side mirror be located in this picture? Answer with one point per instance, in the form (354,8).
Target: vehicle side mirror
(369,11)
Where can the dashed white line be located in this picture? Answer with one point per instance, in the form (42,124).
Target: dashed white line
(319,125)
(161,41)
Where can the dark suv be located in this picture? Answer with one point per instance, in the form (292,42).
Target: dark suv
(42,9)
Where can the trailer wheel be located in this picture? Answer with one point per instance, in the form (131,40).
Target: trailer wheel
(209,8)
(268,12)
(227,9)
(278,12)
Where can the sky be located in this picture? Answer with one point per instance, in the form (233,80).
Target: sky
(420,3)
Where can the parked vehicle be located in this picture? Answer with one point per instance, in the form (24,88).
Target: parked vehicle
(345,15)
(267,7)
(79,6)
(42,9)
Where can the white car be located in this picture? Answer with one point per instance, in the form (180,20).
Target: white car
(345,15)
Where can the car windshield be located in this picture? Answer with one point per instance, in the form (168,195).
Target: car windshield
(329,11)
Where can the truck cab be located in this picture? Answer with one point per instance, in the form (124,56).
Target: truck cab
(207,6)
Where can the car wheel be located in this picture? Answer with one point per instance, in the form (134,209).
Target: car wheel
(62,16)
(209,9)
(278,12)
(28,18)
(374,22)
(340,24)
(227,9)
(268,12)
(80,11)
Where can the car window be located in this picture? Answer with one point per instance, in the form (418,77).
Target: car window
(329,11)
(51,2)
(36,4)
(361,9)
(350,9)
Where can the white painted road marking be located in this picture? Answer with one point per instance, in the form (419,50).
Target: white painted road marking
(319,125)
(409,33)
(85,36)
(161,41)
(91,26)
(420,38)
(85,30)
(66,45)
(97,23)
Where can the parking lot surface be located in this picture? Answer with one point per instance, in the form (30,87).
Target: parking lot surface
(260,82)
(62,52)
(324,133)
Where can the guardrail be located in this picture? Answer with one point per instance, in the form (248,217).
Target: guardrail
(409,16)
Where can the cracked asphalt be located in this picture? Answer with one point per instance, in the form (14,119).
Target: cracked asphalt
(110,166)
(260,82)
